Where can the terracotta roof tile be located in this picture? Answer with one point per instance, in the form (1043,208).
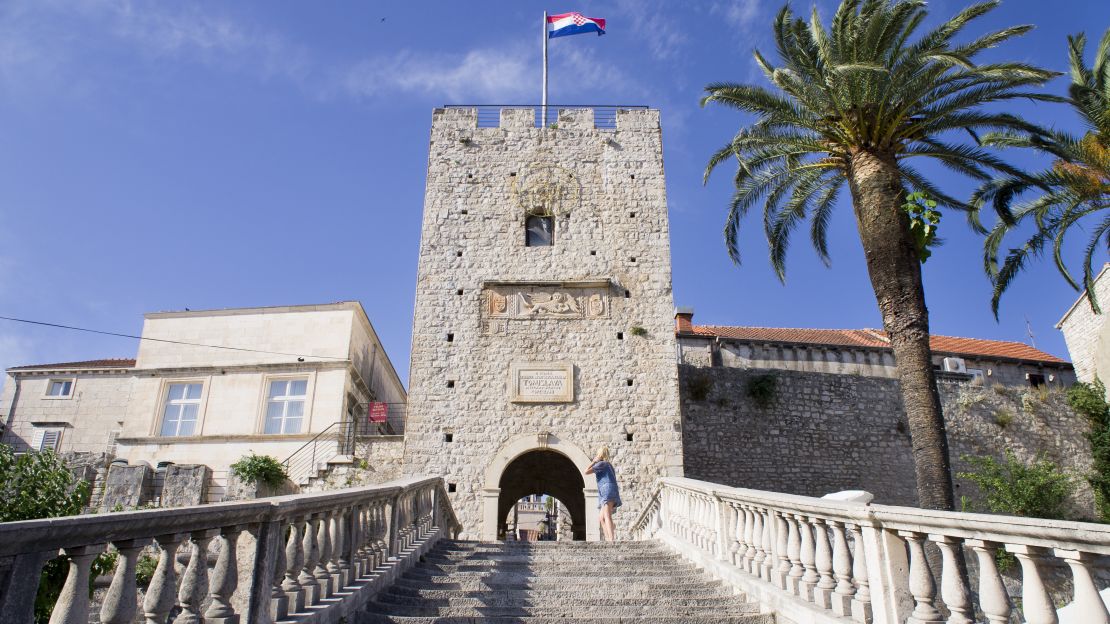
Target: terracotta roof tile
(874,338)
(106,363)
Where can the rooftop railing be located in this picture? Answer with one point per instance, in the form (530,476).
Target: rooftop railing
(605,115)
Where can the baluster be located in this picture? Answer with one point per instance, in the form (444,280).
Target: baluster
(225,577)
(794,553)
(307,576)
(1086,597)
(993,599)
(160,593)
(749,549)
(356,543)
(781,564)
(72,606)
(194,582)
(382,532)
(730,538)
(922,587)
(1035,602)
(808,558)
(294,564)
(841,598)
(757,554)
(121,601)
(953,591)
(374,531)
(822,559)
(279,601)
(768,561)
(323,543)
(861,602)
(335,537)
(343,547)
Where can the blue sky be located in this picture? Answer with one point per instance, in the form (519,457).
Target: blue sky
(158,156)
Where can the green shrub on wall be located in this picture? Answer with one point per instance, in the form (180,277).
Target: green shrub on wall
(1089,400)
(761,390)
(260,469)
(1036,490)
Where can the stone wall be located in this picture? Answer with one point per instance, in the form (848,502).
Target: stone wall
(822,433)
(1088,334)
(610,260)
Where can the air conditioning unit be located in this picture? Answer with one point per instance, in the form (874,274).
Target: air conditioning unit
(954,365)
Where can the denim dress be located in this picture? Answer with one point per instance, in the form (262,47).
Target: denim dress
(606,484)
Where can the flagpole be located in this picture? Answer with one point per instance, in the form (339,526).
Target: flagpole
(543,107)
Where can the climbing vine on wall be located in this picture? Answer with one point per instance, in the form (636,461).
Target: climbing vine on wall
(1089,400)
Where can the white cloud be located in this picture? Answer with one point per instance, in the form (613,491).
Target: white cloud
(664,39)
(740,14)
(493,75)
(15,351)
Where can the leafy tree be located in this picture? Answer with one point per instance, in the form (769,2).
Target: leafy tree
(853,104)
(264,469)
(38,485)
(1073,191)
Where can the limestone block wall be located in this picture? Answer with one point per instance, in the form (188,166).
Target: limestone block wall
(1088,334)
(611,231)
(90,416)
(825,432)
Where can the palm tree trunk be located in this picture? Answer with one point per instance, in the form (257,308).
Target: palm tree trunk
(895,271)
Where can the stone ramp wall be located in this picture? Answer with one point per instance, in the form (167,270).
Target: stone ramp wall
(822,433)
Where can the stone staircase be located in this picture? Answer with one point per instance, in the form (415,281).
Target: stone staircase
(567,582)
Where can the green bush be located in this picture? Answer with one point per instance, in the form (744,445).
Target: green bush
(1035,490)
(38,485)
(1089,400)
(144,570)
(260,469)
(636,330)
(761,390)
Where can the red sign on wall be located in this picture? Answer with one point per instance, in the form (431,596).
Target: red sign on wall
(378,412)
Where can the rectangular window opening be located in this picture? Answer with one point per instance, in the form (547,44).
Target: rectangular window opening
(539,231)
(627,294)
(466,212)
(628,437)
(593,253)
(450,383)
(285,406)
(628,382)
(448,437)
(620,335)
(458,254)
(632,259)
(459,292)
(59,387)
(450,337)
(182,408)
(451,487)
(46,438)
(632,215)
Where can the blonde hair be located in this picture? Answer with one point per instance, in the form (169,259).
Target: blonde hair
(603,453)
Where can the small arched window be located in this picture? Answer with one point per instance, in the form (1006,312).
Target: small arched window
(539,231)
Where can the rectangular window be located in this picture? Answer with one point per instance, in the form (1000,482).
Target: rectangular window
(179,417)
(46,438)
(539,231)
(285,406)
(59,387)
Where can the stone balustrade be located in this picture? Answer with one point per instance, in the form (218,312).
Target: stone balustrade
(308,557)
(820,560)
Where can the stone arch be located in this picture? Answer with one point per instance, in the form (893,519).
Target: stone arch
(513,450)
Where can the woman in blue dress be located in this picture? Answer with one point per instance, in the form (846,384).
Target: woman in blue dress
(608,494)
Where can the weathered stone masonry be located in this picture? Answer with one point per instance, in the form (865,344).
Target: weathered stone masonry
(610,264)
(826,432)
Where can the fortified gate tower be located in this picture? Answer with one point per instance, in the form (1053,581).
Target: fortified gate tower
(543,326)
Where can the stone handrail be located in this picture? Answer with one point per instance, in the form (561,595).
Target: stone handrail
(307,556)
(821,560)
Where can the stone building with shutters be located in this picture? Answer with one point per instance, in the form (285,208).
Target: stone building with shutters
(542,326)
(210,386)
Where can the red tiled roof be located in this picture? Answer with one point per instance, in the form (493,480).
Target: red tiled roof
(877,339)
(107,363)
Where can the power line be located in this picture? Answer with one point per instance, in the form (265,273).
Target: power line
(179,342)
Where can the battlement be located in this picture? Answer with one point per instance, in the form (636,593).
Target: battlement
(556,117)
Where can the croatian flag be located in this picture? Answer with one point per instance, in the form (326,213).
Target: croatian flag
(573,24)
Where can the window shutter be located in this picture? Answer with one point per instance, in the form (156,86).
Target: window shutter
(36,439)
(50,439)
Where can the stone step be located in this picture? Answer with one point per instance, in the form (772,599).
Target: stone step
(562,592)
(569,583)
(563,611)
(624,546)
(379,618)
(454,557)
(601,597)
(548,562)
(539,568)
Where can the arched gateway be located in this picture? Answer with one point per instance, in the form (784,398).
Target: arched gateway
(532,348)
(539,464)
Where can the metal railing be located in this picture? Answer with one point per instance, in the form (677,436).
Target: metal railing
(341,438)
(314,557)
(605,115)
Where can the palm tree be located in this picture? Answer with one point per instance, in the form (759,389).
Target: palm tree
(853,104)
(1076,186)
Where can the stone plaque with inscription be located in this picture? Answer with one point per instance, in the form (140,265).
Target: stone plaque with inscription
(541,382)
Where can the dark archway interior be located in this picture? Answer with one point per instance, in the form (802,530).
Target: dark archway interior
(544,472)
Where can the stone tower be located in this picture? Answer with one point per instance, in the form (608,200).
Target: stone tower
(543,326)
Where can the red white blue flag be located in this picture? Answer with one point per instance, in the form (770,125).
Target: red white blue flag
(573,24)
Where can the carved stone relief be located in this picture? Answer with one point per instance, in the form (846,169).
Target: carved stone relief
(524,301)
